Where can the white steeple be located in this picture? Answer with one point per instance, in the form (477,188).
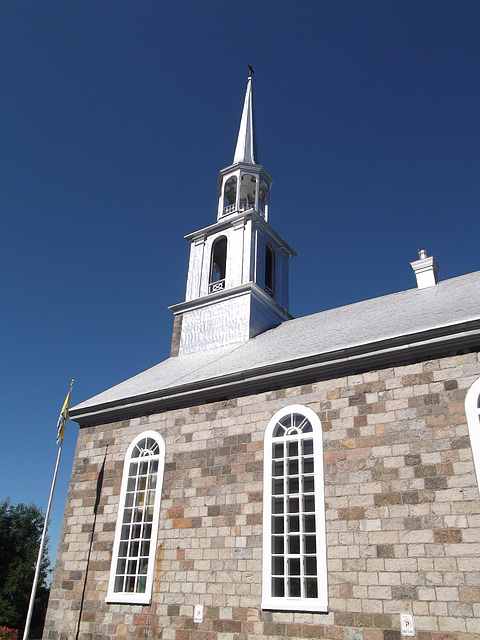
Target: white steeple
(244,151)
(237,283)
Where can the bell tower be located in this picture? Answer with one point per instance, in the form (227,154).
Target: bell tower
(237,282)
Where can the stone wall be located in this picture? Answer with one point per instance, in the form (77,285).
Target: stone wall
(402,515)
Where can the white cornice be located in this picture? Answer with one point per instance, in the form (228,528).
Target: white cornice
(232,220)
(225,294)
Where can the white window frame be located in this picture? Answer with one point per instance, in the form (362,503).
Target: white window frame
(472,410)
(135,597)
(285,602)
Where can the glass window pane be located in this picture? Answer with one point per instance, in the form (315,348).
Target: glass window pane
(292,448)
(278,525)
(308,484)
(309,523)
(277,505)
(294,505)
(278,566)
(278,450)
(121,566)
(294,588)
(293,467)
(294,567)
(118,586)
(278,468)
(149,514)
(294,545)
(307,447)
(308,465)
(298,420)
(277,487)
(145,548)
(312,588)
(141,584)
(293,485)
(309,503)
(278,544)
(294,523)
(133,470)
(278,432)
(278,588)
(310,543)
(311,566)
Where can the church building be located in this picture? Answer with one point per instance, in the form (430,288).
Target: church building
(276,477)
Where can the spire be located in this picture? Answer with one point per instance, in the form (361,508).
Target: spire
(244,151)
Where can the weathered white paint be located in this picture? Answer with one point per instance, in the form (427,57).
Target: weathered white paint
(227,317)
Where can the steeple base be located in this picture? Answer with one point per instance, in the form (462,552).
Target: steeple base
(224,318)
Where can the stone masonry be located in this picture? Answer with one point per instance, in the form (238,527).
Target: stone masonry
(402,515)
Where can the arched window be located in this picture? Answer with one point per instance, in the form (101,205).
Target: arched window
(294,550)
(270,270)
(133,559)
(218,264)
(472,410)
(230,195)
(248,191)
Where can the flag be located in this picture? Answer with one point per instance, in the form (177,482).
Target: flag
(62,418)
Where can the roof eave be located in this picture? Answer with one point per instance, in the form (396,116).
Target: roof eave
(316,366)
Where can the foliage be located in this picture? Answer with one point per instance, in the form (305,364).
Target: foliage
(6,632)
(20,534)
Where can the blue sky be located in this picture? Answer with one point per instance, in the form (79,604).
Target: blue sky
(115,120)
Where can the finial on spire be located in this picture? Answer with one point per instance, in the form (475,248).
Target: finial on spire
(251,71)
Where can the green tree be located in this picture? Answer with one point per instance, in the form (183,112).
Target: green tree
(20,534)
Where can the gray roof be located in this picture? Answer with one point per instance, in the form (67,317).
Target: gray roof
(373,332)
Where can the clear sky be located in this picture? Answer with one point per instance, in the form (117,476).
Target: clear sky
(115,120)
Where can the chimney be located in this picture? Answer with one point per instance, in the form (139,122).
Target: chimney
(426,269)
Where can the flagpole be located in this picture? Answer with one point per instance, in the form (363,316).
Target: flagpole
(60,426)
(42,546)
